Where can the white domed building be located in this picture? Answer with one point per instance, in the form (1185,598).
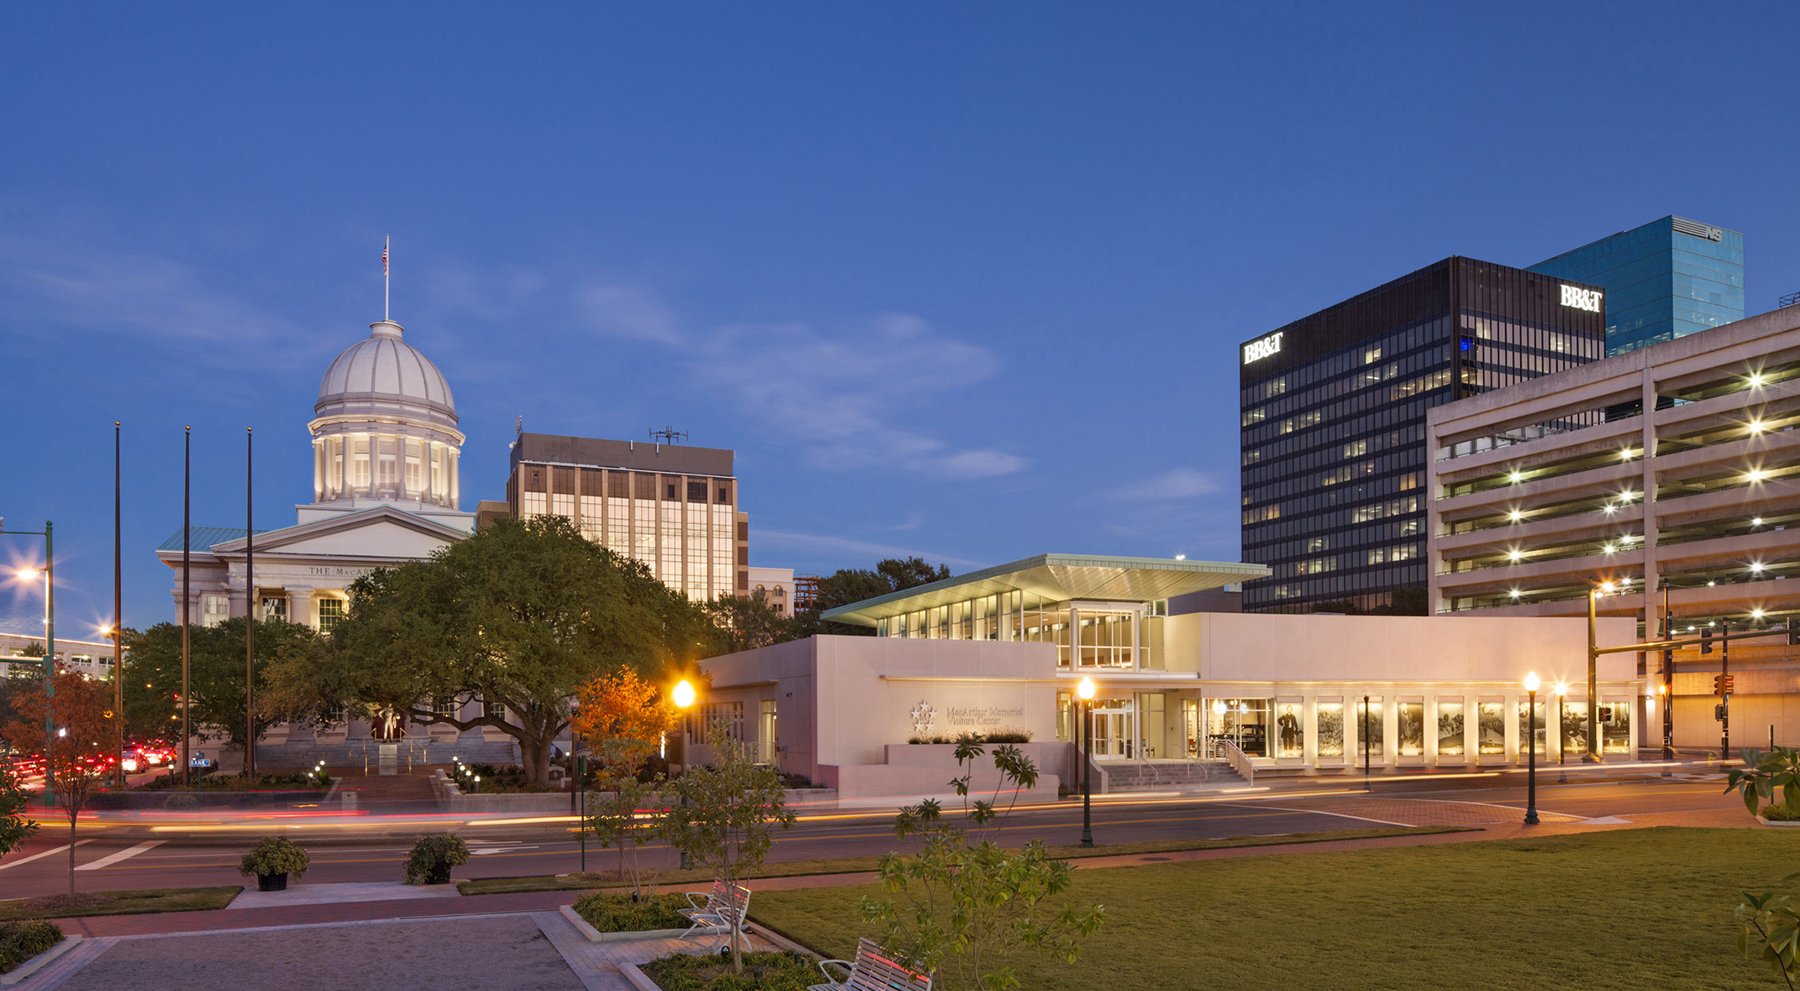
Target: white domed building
(386,454)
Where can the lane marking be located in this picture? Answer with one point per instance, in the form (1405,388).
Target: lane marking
(126,854)
(36,856)
(1341,815)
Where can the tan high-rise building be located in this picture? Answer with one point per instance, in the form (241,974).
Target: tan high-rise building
(671,506)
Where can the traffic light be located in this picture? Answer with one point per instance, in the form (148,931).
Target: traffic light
(1724,683)
(1793,632)
(1719,713)
(1706,641)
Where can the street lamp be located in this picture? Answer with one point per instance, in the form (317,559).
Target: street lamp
(1531,688)
(49,572)
(1086,691)
(684,697)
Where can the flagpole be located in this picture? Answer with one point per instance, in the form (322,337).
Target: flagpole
(249,611)
(385,283)
(118,634)
(187,596)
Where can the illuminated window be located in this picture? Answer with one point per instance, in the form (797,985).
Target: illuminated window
(331,613)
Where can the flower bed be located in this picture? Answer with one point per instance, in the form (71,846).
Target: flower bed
(611,913)
(20,941)
(763,971)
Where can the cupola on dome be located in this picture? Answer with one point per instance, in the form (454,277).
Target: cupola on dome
(385,367)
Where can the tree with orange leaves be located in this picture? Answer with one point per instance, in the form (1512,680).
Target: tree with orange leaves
(75,752)
(623,716)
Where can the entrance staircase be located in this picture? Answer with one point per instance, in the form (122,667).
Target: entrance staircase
(1137,775)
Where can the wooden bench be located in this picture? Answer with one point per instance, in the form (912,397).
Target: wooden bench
(872,970)
(716,912)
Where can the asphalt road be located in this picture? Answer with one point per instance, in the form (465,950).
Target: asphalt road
(113,859)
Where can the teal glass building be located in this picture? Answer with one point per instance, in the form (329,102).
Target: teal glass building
(1669,278)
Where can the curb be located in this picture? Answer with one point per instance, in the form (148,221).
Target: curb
(40,961)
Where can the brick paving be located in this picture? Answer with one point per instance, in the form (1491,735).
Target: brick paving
(519,951)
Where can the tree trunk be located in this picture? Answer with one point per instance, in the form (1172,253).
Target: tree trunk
(71,850)
(534,754)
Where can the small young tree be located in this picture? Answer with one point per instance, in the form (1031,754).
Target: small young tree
(725,816)
(616,818)
(1769,927)
(15,825)
(966,907)
(623,716)
(74,753)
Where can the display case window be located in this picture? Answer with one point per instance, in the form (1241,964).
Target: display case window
(1574,727)
(1290,732)
(1532,726)
(1409,728)
(1450,728)
(1615,731)
(1331,730)
(1369,736)
(1491,729)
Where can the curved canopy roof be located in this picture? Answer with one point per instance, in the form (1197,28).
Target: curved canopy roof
(1058,578)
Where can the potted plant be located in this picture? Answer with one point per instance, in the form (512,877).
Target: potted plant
(433,856)
(273,859)
(1769,783)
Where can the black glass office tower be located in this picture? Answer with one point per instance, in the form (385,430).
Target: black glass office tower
(1333,420)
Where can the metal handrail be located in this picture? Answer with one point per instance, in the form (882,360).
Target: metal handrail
(1238,761)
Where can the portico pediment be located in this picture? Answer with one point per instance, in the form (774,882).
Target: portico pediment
(379,534)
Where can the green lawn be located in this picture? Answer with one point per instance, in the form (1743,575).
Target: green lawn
(118,903)
(858,865)
(1632,909)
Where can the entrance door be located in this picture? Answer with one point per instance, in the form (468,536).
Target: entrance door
(1114,729)
(1193,727)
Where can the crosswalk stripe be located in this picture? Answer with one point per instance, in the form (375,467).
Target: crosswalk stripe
(126,854)
(37,856)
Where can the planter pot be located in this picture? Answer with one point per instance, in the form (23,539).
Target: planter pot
(271,882)
(1779,823)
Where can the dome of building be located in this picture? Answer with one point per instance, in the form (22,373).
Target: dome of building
(384,430)
(385,367)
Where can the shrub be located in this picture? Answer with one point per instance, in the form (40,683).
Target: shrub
(274,855)
(1007,736)
(612,913)
(764,971)
(1768,777)
(1780,813)
(20,941)
(433,856)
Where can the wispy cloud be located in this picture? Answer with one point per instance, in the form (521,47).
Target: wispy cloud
(843,393)
(53,282)
(1171,486)
(824,543)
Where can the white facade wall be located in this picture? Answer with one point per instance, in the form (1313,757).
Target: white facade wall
(848,705)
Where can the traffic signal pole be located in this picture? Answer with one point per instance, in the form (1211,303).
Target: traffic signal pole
(1725,691)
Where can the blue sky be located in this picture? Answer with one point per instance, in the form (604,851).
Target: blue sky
(961,280)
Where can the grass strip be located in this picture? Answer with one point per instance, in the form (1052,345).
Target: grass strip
(857,865)
(1625,910)
(135,902)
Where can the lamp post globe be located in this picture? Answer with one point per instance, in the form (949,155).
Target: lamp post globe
(1531,689)
(1085,691)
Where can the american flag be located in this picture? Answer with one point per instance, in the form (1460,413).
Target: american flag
(384,265)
